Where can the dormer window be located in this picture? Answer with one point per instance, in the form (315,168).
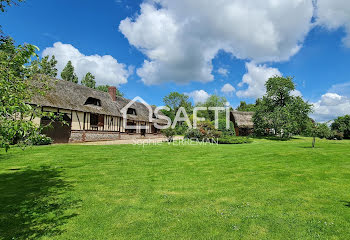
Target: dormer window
(131,111)
(93,101)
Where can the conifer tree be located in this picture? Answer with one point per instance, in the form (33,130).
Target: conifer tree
(89,80)
(68,73)
(45,66)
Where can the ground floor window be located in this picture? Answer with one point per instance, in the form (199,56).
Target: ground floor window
(96,121)
(130,127)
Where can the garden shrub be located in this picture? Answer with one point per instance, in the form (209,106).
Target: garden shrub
(169,133)
(234,140)
(208,130)
(204,130)
(193,134)
(336,135)
(41,140)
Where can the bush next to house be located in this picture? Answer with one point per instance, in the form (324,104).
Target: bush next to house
(204,130)
(169,133)
(207,131)
(193,134)
(41,140)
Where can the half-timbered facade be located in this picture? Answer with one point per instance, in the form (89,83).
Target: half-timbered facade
(93,115)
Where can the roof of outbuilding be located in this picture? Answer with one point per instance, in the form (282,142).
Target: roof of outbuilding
(243,119)
(70,96)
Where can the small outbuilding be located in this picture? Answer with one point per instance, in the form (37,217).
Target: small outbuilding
(243,122)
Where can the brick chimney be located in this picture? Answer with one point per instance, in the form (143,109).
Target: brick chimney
(113,93)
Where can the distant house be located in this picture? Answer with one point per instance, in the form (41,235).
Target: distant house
(243,122)
(93,115)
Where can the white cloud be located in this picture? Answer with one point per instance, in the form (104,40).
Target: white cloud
(180,38)
(334,14)
(341,89)
(296,93)
(331,106)
(228,89)
(223,71)
(198,96)
(106,69)
(255,78)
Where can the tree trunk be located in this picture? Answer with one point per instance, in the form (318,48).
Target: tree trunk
(313,142)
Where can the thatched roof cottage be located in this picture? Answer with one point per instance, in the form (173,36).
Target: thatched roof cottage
(93,115)
(243,122)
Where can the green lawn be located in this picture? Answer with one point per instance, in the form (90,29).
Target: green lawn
(263,190)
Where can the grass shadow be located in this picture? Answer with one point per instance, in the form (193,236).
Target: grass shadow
(275,138)
(346,203)
(33,203)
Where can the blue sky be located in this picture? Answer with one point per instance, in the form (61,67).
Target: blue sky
(186,43)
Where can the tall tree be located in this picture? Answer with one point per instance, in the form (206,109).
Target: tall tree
(68,73)
(244,107)
(212,101)
(89,80)
(104,88)
(280,110)
(176,100)
(48,66)
(45,66)
(16,90)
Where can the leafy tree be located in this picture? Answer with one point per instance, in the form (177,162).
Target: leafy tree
(213,101)
(46,66)
(68,73)
(4,3)
(89,80)
(104,88)
(176,100)
(16,90)
(280,110)
(342,125)
(244,107)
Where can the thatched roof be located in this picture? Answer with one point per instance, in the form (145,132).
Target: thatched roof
(243,119)
(70,96)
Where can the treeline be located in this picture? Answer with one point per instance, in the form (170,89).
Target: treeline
(47,66)
(280,113)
